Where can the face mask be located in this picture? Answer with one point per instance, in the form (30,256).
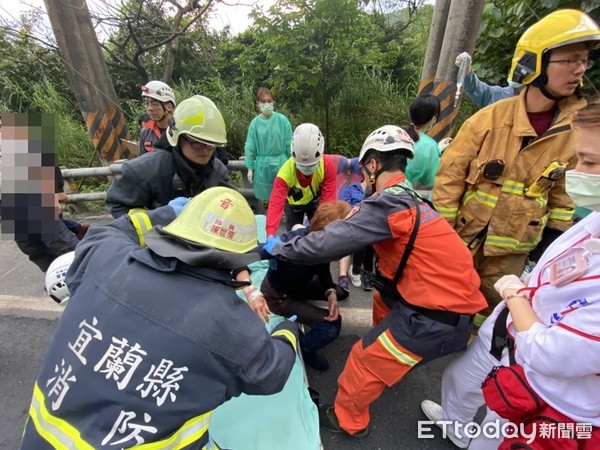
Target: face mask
(584,189)
(308,170)
(430,125)
(266,108)
(512,84)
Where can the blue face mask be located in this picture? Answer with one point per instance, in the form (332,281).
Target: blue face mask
(308,170)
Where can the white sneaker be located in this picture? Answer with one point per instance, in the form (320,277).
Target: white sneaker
(354,279)
(434,412)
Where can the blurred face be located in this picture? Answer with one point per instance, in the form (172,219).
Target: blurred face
(566,68)
(196,151)
(587,144)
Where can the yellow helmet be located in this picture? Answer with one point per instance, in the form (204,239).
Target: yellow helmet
(200,118)
(560,28)
(219,217)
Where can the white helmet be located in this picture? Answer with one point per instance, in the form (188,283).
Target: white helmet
(55,278)
(386,139)
(159,91)
(307,144)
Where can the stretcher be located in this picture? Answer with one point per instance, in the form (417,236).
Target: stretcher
(286,420)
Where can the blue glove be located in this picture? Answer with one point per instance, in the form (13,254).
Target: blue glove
(271,243)
(178,204)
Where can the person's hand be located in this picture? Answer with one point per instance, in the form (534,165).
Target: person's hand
(258,304)
(250,176)
(271,243)
(333,307)
(508,283)
(443,144)
(178,204)
(460,59)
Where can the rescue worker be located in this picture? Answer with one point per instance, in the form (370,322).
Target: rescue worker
(427,289)
(305,180)
(154,339)
(500,183)
(551,326)
(159,103)
(183,165)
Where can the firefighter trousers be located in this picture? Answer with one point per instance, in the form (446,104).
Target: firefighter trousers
(401,339)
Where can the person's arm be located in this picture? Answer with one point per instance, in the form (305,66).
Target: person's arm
(367,226)
(328,187)
(450,180)
(276,205)
(482,93)
(127,192)
(250,147)
(255,299)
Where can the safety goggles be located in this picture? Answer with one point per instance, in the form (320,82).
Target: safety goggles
(197,144)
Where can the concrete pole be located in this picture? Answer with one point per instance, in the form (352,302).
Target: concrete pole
(89,78)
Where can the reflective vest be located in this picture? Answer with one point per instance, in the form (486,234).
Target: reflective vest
(298,195)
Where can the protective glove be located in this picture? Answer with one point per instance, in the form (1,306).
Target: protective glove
(271,243)
(508,282)
(443,144)
(464,56)
(178,204)
(250,176)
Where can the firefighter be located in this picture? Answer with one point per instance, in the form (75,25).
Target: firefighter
(154,339)
(427,289)
(183,165)
(501,182)
(159,103)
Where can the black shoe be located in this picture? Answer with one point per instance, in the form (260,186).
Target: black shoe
(329,422)
(366,283)
(316,361)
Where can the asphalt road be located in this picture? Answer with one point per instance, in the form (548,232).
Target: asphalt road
(28,318)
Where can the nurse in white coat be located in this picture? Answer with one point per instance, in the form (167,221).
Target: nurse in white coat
(555,321)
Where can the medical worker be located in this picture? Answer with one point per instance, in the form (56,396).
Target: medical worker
(427,289)
(501,182)
(306,179)
(267,145)
(553,324)
(155,338)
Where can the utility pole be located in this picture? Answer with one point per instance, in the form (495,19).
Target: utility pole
(89,78)
(457,22)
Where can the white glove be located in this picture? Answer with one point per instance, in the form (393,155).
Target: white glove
(508,282)
(464,56)
(250,176)
(443,144)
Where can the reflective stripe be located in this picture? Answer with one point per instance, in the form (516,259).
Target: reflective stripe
(513,187)
(59,433)
(388,345)
(141,223)
(448,213)
(481,197)
(191,431)
(561,214)
(288,335)
(513,244)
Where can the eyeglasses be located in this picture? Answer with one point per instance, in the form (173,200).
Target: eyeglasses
(198,145)
(574,63)
(151,102)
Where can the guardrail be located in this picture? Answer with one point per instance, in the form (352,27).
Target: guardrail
(77,199)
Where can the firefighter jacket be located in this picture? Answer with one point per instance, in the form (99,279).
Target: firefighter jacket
(147,348)
(149,135)
(154,179)
(439,273)
(506,211)
(300,191)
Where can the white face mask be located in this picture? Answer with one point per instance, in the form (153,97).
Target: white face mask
(308,170)
(584,189)
(266,108)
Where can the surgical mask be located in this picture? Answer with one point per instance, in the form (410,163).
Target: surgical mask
(430,125)
(512,84)
(584,189)
(308,170)
(266,108)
